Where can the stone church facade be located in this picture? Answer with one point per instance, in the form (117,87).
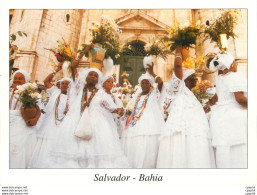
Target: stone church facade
(45,27)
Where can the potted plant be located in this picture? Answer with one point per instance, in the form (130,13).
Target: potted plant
(221,29)
(105,41)
(29,99)
(184,35)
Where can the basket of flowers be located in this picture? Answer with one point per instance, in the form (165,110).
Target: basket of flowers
(184,35)
(29,99)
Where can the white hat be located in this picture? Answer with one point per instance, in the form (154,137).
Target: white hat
(146,76)
(221,61)
(148,60)
(187,72)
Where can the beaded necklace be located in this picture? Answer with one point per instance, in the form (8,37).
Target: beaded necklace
(136,116)
(56,110)
(84,102)
(113,97)
(11,99)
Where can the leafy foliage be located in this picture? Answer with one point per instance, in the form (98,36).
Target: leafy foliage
(225,24)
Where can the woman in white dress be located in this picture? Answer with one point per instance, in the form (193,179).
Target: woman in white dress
(57,146)
(22,133)
(228,121)
(186,139)
(140,139)
(102,148)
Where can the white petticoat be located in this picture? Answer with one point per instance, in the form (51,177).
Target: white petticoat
(231,156)
(22,140)
(185,151)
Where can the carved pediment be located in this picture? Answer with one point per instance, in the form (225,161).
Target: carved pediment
(138,20)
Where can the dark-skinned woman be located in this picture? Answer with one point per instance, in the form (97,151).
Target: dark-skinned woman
(102,147)
(186,140)
(140,138)
(228,121)
(22,133)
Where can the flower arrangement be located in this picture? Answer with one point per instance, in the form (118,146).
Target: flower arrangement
(200,89)
(158,47)
(225,24)
(28,96)
(125,75)
(105,34)
(184,34)
(62,52)
(125,91)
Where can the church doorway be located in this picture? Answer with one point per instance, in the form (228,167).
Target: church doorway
(132,62)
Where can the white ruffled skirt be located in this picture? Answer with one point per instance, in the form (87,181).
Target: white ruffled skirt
(103,150)
(57,146)
(231,156)
(22,140)
(185,151)
(141,150)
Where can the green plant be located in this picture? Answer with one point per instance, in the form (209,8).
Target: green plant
(158,46)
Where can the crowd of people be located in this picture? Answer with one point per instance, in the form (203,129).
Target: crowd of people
(88,121)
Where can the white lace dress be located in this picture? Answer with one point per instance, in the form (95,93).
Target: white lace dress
(140,142)
(103,150)
(57,146)
(186,140)
(228,122)
(22,137)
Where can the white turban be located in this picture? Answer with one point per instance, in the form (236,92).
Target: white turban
(148,60)
(221,62)
(146,76)
(104,78)
(25,74)
(187,72)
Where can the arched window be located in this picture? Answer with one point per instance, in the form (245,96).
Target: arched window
(67,17)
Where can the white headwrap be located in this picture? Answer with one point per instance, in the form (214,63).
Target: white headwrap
(148,77)
(221,61)
(83,73)
(187,72)
(148,60)
(65,79)
(104,78)
(25,73)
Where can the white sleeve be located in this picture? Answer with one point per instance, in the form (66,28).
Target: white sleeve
(108,103)
(51,90)
(175,85)
(236,82)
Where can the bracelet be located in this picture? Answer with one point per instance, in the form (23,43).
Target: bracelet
(178,56)
(156,77)
(54,73)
